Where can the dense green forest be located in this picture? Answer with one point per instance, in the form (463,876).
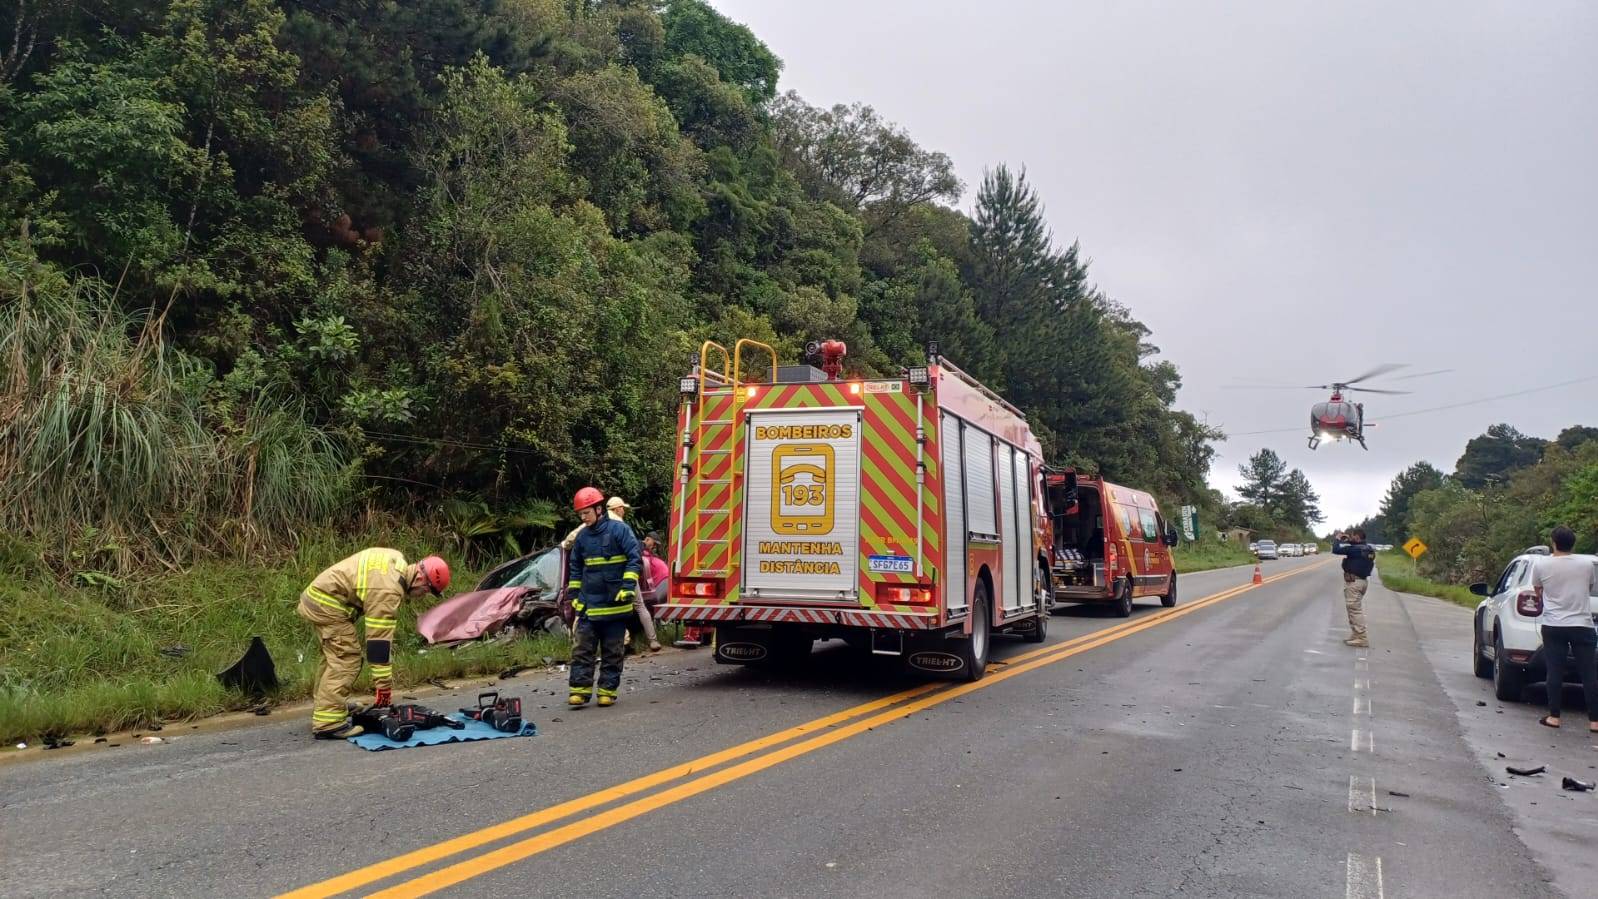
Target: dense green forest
(272,263)
(1507,492)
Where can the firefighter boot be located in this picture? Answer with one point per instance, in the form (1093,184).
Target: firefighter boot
(606,701)
(350,729)
(578,700)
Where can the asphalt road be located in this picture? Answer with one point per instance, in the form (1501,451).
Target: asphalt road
(1231,747)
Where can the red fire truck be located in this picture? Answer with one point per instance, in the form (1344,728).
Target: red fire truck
(902,514)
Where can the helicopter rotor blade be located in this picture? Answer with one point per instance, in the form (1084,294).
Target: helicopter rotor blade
(1374,390)
(1274,387)
(1378,370)
(1424,374)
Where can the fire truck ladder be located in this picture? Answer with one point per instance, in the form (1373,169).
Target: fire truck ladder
(724,433)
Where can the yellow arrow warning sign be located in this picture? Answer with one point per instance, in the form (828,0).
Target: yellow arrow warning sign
(1414,547)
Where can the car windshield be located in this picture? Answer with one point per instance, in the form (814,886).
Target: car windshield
(540,572)
(1267,543)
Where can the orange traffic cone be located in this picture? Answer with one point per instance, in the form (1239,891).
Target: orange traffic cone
(1258,578)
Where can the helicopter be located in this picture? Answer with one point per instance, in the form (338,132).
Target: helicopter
(1339,419)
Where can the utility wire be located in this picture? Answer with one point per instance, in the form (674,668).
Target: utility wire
(1475,402)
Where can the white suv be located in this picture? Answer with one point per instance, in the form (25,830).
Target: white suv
(1509,645)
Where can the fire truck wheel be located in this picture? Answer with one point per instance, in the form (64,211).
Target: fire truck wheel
(1169,598)
(973,650)
(1123,599)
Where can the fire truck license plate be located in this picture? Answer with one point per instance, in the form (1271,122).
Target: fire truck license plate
(900,564)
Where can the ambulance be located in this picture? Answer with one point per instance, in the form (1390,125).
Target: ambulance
(902,514)
(1110,543)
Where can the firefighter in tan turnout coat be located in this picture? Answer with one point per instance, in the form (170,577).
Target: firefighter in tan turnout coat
(368,585)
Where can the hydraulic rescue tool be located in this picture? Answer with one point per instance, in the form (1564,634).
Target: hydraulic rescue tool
(504,714)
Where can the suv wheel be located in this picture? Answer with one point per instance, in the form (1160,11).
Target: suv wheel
(1482,665)
(1508,678)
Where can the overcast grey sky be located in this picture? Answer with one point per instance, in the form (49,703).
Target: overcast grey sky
(1283,191)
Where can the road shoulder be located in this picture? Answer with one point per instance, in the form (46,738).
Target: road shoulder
(1558,828)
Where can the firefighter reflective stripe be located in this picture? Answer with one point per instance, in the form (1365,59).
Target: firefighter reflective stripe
(329,715)
(369,563)
(574,585)
(328,600)
(582,691)
(605,692)
(630,576)
(381,622)
(608,560)
(609,611)
(382,670)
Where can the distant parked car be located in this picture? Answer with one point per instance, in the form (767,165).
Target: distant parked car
(1312,549)
(1254,546)
(1266,549)
(1508,645)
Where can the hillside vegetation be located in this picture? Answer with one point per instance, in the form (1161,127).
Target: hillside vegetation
(1508,491)
(276,260)
(272,270)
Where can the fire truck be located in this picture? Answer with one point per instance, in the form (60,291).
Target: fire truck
(904,514)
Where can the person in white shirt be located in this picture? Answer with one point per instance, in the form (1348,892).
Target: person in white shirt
(1563,583)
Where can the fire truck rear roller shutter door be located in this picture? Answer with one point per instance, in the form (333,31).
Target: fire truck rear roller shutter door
(1011,583)
(979,487)
(954,591)
(802,505)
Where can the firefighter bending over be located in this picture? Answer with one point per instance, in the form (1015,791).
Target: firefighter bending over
(369,585)
(602,574)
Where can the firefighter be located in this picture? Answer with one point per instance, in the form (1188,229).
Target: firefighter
(368,585)
(602,573)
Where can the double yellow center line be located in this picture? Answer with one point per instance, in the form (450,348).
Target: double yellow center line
(880,711)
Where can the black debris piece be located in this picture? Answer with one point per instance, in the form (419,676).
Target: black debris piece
(1576,786)
(254,673)
(1526,772)
(262,710)
(99,739)
(1481,702)
(512,671)
(1398,793)
(53,742)
(438,683)
(175,651)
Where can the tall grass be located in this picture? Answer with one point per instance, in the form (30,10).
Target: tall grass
(1397,572)
(110,455)
(1208,554)
(76,660)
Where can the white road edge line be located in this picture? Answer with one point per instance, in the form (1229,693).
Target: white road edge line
(1364,877)
(1362,705)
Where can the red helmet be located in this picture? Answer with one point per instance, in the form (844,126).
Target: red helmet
(586,497)
(435,572)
